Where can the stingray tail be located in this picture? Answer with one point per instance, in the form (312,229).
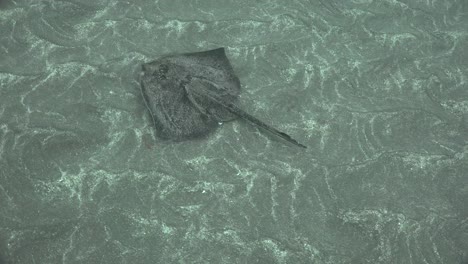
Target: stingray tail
(255,121)
(246,116)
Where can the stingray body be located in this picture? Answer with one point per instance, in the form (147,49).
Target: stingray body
(188,95)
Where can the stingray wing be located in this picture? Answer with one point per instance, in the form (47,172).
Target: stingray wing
(210,99)
(212,72)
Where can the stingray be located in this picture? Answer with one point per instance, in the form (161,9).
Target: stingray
(189,95)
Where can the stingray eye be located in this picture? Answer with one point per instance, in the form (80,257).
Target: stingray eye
(162,72)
